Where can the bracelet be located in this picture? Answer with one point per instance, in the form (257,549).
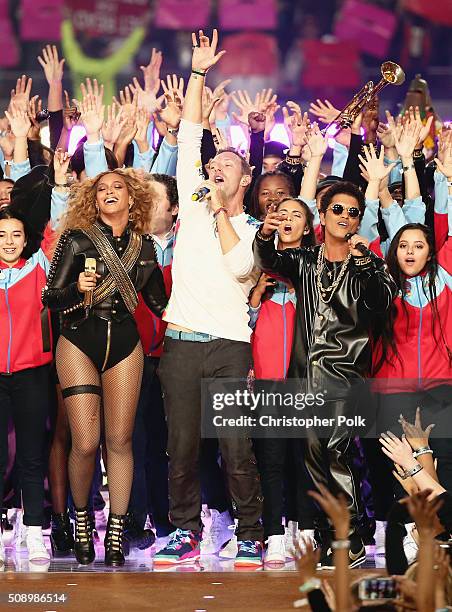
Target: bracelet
(61,185)
(259,235)
(219,210)
(173,131)
(418,153)
(340,544)
(293,160)
(406,168)
(449,183)
(417,468)
(361,261)
(203,74)
(422,450)
(310,585)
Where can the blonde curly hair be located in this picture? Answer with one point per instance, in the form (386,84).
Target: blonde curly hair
(82,211)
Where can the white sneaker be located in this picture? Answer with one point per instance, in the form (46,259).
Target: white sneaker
(290,534)
(380,535)
(35,545)
(306,535)
(276,549)
(218,534)
(231,549)
(20,532)
(410,545)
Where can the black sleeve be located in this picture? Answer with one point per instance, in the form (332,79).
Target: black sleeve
(445,512)
(36,153)
(378,288)
(60,292)
(317,601)
(351,171)
(296,172)
(284,265)
(55,127)
(256,161)
(208,150)
(154,292)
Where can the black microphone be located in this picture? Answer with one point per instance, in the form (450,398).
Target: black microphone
(200,194)
(361,247)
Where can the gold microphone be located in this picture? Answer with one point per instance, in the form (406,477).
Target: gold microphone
(90,267)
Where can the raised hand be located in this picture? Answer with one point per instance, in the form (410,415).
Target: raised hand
(151,73)
(142,123)
(128,102)
(270,120)
(71,114)
(175,86)
(19,121)
(265,99)
(171,114)
(416,436)
(205,54)
(94,91)
(408,139)
(7,141)
(399,451)
(61,161)
(423,511)
(336,508)
(113,125)
(146,99)
(53,67)
(325,111)
(92,116)
(256,121)
(444,159)
(242,100)
(34,108)
(316,143)
(20,96)
(374,164)
(296,124)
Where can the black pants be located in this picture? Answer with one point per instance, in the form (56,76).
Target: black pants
(331,462)
(149,493)
(182,367)
(213,488)
(25,395)
(285,484)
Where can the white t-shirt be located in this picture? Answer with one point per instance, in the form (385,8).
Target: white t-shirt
(210,290)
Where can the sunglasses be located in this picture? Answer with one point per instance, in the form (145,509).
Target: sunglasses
(338,209)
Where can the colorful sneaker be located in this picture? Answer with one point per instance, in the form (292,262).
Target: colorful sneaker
(249,553)
(183,547)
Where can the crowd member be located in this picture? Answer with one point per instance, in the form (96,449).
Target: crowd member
(366,289)
(105,220)
(208,333)
(272,307)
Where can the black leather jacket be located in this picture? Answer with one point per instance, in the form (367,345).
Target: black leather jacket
(61,293)
(331,341)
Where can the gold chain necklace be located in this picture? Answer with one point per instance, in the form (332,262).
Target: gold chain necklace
(324,291)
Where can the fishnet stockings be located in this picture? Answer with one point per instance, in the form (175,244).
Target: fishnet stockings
(120,387)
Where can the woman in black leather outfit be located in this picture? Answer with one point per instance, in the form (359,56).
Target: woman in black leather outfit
(99,354)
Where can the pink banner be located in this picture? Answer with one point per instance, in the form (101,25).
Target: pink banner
(242,14)
(438,11)
(330,64)
(182,14)
(107,17)
(249,53)
(41,20)
(371,28)
(9,51)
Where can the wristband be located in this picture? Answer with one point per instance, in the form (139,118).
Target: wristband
(203,74)
(293,160)
(310,585)
(422,450)
(418,153)
(266,238)
(361,261)
(340,544)
(406,168)
(417,468)
(173,131)
(219,210)
(61,185)
(449,183)
(8,162)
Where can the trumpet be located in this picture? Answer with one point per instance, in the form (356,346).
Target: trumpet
(392,74)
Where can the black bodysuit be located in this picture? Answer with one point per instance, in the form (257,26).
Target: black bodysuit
(108,334)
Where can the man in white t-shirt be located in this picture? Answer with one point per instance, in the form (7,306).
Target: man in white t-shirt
(208,334)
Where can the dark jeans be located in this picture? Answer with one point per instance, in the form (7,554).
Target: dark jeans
(25,395)
(213,487)
(149,493)
(182,367)
(283,480)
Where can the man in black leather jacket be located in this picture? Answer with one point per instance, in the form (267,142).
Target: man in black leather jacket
(339,291)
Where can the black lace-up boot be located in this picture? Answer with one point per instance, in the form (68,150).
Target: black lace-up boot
(83,547)
(114,554)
